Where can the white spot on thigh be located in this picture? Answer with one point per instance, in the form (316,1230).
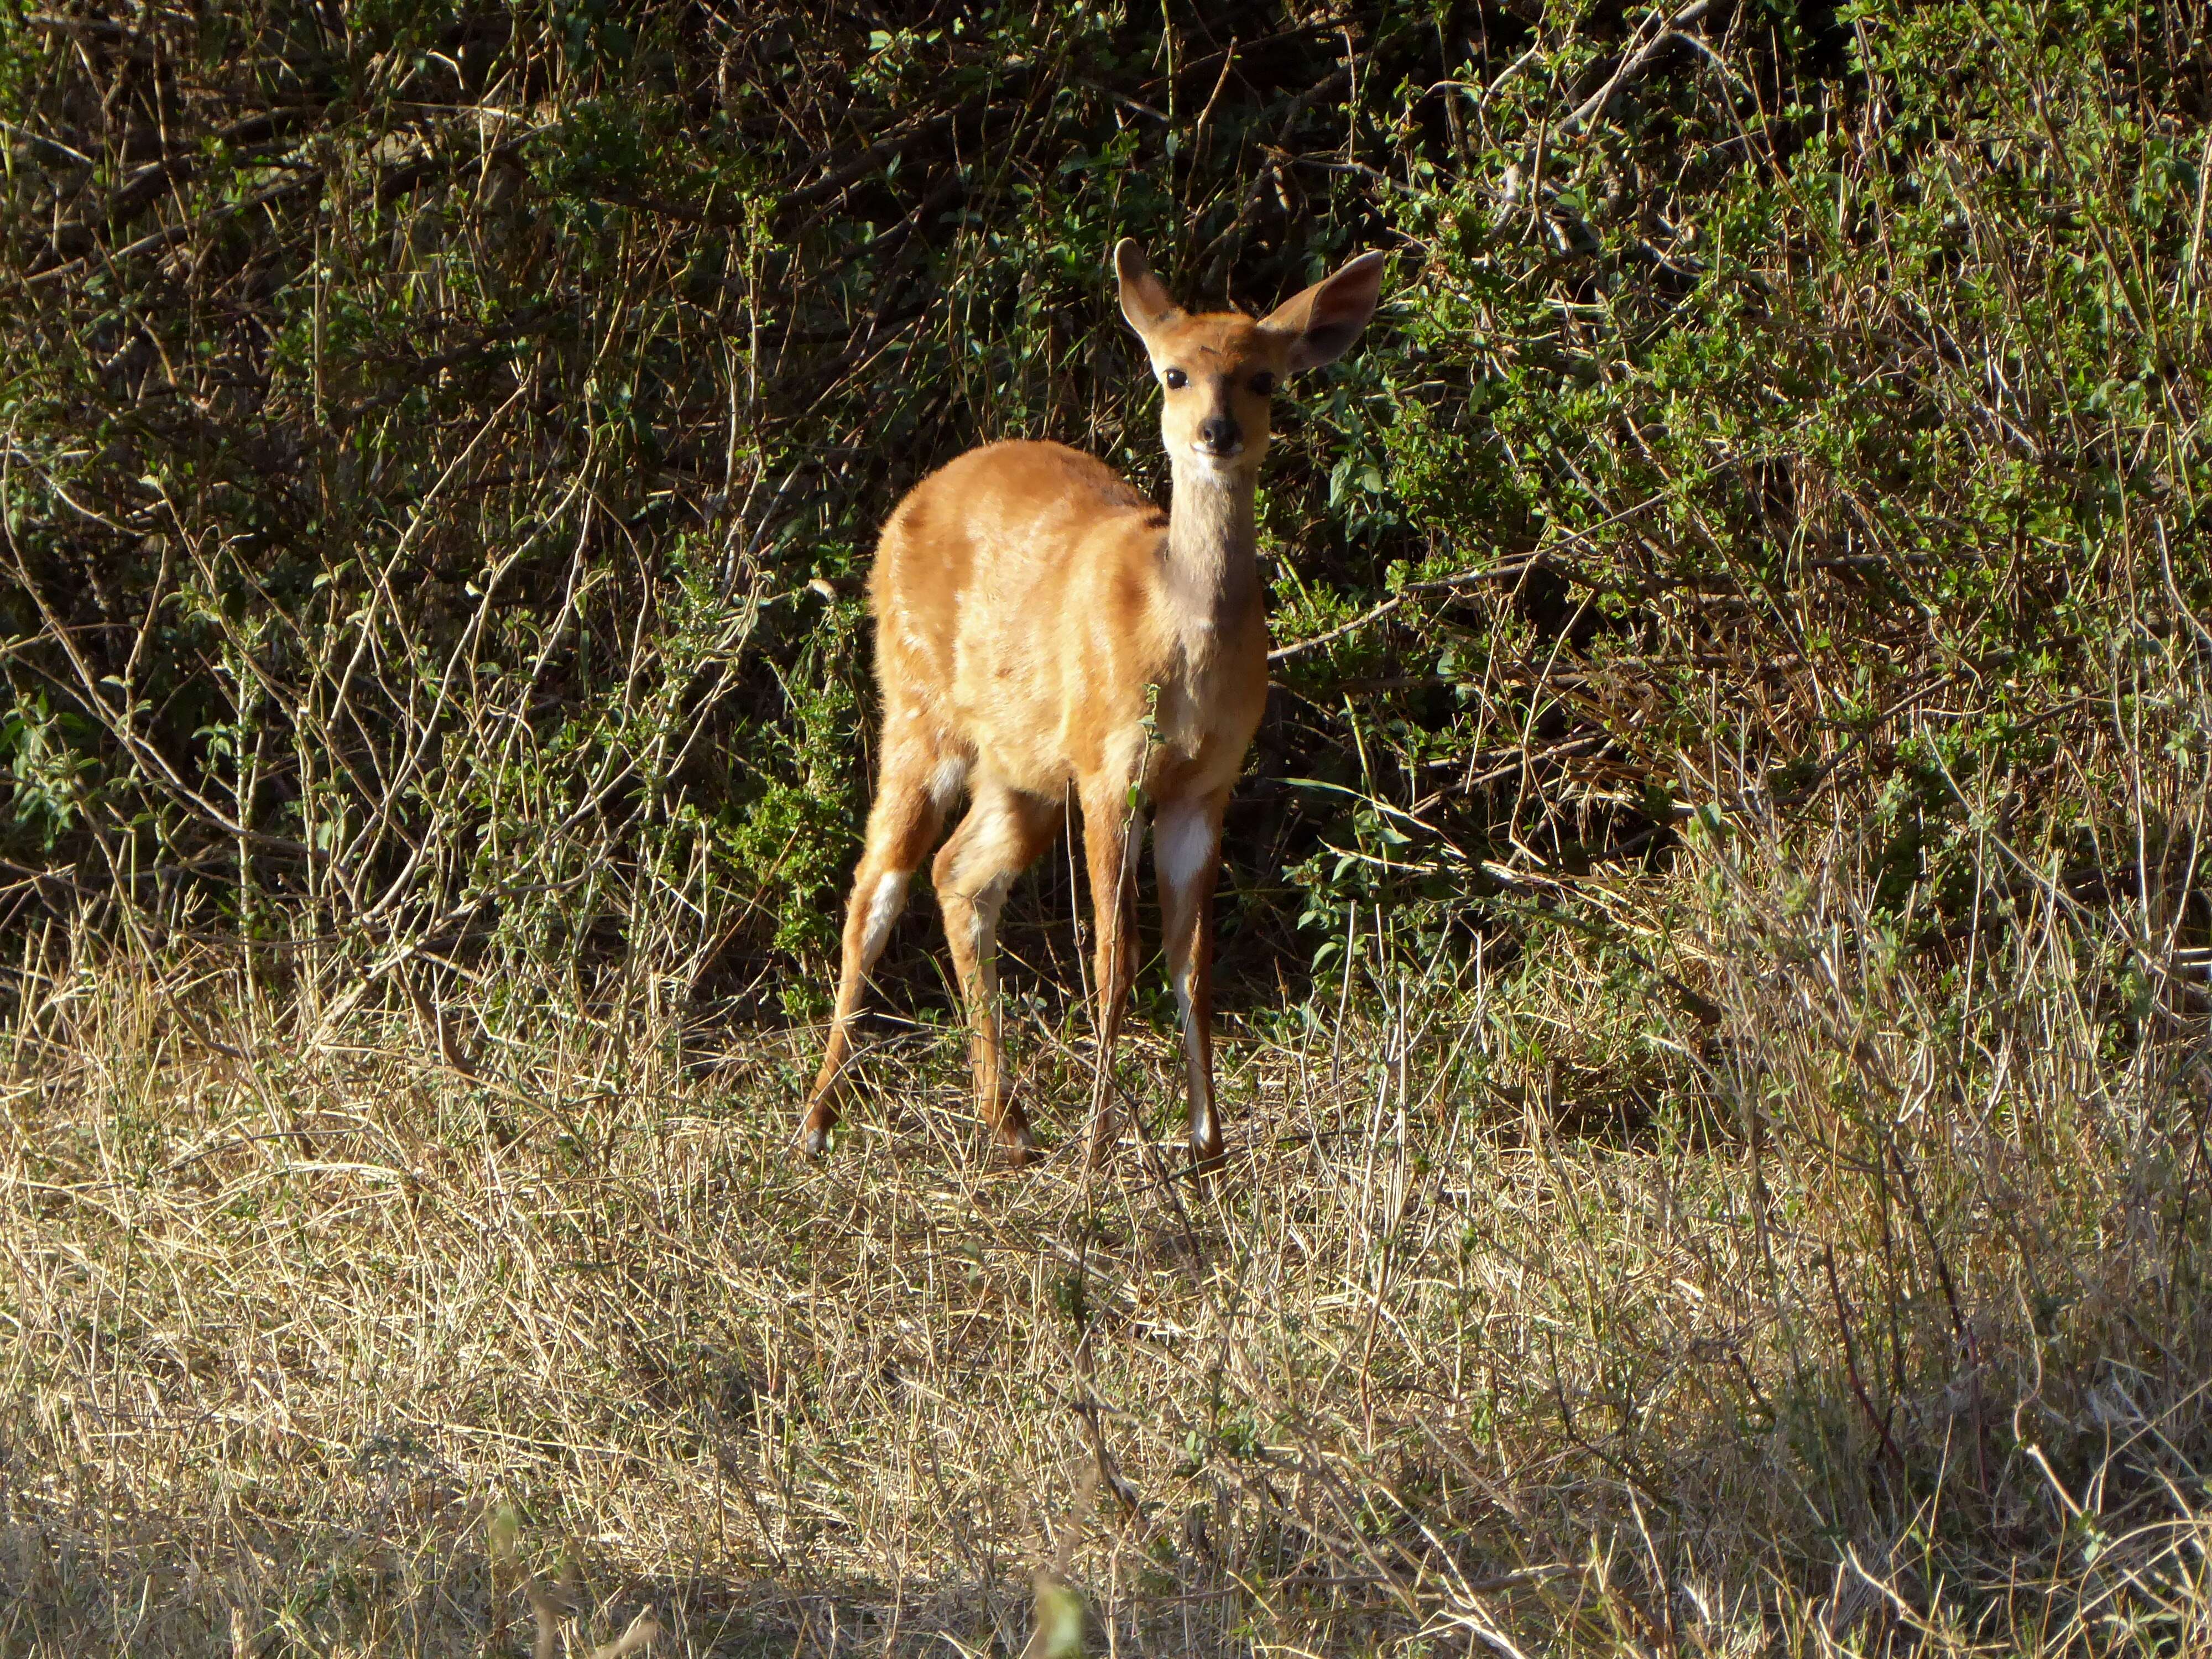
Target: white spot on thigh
(944,783)
(989,900)
(1183,844)
(883,909)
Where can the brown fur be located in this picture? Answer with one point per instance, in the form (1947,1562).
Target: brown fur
(1041,628)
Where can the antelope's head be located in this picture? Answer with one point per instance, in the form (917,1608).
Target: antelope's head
(1218,369)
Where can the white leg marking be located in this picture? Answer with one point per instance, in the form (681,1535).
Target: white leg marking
(884,910)
(1182,842)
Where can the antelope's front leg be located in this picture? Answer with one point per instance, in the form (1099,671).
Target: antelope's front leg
(1187,856)
(1111,825)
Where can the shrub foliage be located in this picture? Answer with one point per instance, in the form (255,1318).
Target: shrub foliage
(423,427)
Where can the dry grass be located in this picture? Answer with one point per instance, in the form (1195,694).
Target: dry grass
(1766,1289)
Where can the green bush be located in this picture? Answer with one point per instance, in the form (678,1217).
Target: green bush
(423,436)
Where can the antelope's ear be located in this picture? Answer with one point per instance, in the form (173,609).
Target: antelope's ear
(1144,299)
(1324,321)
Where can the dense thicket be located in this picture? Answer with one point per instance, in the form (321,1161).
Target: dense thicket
(441,438)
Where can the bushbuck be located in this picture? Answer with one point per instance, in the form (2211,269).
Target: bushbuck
(1042,626)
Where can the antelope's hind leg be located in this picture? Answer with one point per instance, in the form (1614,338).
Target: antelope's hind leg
(1000,837)
(904,822)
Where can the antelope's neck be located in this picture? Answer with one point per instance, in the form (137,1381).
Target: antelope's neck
(1213,559)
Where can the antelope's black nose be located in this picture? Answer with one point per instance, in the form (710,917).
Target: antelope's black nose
(1219,434)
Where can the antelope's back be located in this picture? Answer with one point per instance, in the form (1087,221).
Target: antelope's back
(991,580)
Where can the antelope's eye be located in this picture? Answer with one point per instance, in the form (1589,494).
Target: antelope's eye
(1176,379)
(1264,384)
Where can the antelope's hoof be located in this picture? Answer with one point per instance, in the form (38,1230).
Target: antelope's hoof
(814,1139)
(1021,1146)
